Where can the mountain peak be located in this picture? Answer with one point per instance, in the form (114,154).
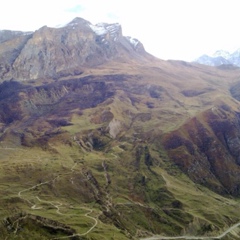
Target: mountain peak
(56,52)
(78,21)
(221,53)
(221,57)
(114,30)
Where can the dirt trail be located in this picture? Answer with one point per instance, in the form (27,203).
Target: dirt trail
(58,205)
(88,231)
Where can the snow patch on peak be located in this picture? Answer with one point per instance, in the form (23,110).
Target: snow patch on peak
(134,42)
(221,53)
(104,28)
(99,30)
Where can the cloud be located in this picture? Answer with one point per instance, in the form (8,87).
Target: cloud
(31,15)
(76,9)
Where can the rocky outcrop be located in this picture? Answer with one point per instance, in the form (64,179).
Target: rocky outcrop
(114,128)
(10,49)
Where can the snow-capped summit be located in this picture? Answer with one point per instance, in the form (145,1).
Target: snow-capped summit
(212,61)
(221,57)
(221,53)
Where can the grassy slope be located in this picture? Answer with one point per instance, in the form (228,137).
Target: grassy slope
(144,198)
(199,206)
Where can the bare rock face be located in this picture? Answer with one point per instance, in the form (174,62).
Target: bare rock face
(114,128)
(10,49)
(58,52)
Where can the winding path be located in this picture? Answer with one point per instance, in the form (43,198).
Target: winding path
(57,205)
(82,234)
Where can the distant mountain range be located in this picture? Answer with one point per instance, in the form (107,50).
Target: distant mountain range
(221,57)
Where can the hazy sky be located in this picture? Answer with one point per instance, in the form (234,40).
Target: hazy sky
(169,29)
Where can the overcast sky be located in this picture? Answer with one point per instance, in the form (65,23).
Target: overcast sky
(169,29)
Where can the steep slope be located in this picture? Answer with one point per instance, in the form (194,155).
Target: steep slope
(207,148)
(100,140)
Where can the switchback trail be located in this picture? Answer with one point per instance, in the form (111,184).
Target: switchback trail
(88,231)
(58,205)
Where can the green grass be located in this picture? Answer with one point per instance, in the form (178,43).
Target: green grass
(35,166)
(164,184)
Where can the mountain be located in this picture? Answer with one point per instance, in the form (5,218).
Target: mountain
(235,57)
(220,57)
(212,61)
(101,140)
(221,53)
(6,35)
(56,52)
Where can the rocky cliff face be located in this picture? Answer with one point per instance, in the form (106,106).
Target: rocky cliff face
(58,52)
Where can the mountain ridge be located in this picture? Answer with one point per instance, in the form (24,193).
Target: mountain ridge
(220,57)
(78,43)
